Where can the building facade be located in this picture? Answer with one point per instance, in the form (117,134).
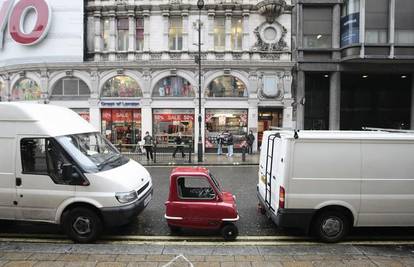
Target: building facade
(355,64)
(138,70)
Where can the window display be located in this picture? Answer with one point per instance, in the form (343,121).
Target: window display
(169,122)
(121,86)
(227,86)
(220,120)
(26,90)
(173,86)
(83,112)
(122,126)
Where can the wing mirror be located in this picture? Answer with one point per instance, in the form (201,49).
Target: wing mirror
(72,176)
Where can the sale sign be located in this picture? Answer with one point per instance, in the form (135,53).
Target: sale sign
(15,15)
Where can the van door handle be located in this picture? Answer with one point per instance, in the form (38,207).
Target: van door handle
(18,181)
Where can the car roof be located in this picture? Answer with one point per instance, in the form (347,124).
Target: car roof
(189,170)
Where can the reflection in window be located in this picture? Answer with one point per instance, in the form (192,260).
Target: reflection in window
(176,33)
(70,87)
(404,22)
(121,86)
(236,33)
(227,86)
(140,34)
(26,90)
(123,34)
(173,86)
(317,29)
(105,34)
(376,21)
(219,33)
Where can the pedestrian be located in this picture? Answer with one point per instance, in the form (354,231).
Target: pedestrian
(250,140)
(148,144)
(179,145)
(230,144)
(219,144)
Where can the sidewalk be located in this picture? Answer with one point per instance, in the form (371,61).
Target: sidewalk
(209,159)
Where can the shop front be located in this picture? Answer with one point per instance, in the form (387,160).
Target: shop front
(83,112)
(218,121)
(168,123)
(122,127)
(268,117)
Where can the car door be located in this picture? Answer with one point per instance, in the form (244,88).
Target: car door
(40,186)
(7,189)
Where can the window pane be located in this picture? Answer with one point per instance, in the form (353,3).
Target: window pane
(33,153)
(176,33)
(227,86)
(83,88)
(219,33)
(105,35)
(58,90)
(121,86)
(317,28)
(195,187)
(140,34)
(173,86)
(55,161)
(71,87)
(376,21)
(404,22)
(26,89)
(236,33)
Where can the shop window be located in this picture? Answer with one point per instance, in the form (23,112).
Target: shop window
(173,86)
(83,112)
(140,34)
(122,127)
(219,33)
(70,87)
(218,121)
(227,86)
(167,123)
(121,86)
(176,33)
(105,34)
(236,33)
(123,34)
(376,21)
(26,90)
(404,22)
(317,27)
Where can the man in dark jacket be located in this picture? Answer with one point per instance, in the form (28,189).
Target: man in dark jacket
(250,141)
(148,143)
(179,145)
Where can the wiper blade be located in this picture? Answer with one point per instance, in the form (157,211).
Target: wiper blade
(111,159)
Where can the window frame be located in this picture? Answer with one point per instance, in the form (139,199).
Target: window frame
(219,36)
(175,38)
(236,38)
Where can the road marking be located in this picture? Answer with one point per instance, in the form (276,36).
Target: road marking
(173,261)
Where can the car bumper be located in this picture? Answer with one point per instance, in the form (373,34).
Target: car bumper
(117,216)
(289,218)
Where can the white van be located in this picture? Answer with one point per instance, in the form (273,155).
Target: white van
(326,182)
(56,168)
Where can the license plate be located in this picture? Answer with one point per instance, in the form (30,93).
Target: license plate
(147,200)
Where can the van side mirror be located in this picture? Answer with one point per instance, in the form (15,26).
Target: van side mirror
(71,175)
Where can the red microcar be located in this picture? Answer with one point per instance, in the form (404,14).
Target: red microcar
(197,201)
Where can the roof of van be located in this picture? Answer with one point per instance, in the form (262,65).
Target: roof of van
(351,135)
(42,119)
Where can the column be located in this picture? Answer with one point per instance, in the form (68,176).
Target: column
(336,30)
(210,29)
(362,27)
(412,102)
(391,28)
(6,88)
(335,101)
(246,30)
(184,16)
(146,115)
(112,35)
(253,121)
(44,85)
(287,101)
(98,37)
(228,31)
(300,101)
(95,114)
(147,25)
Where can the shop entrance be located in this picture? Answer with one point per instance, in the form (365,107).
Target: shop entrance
(268,117)
(122,127)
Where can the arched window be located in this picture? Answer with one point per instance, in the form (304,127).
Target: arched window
(173,86)
(26,90)
(226,86)
(121,86)
(70,88)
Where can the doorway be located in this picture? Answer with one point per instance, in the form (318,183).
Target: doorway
(268,117)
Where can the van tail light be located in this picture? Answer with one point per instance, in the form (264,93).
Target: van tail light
(281,197)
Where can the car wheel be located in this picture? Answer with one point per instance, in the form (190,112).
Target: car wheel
(331,226)
(229,232)
(82,225)
(174,229)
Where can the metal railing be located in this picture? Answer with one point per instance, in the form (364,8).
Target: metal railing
(162,153)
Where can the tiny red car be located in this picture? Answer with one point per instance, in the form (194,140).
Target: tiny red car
(197,201)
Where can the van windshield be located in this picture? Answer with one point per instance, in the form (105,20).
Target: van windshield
(92,152)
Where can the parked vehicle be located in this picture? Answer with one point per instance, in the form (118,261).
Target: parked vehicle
(56,168)
(327,182)
(197,201)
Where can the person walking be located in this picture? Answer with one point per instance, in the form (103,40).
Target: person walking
(179,145)
(219,144)
(250,140)
(230,144)
(148,144)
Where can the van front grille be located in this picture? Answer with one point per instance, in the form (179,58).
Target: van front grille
(142,189)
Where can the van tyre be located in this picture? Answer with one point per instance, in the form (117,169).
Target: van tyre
(82,225)
(229,232)
(331,226)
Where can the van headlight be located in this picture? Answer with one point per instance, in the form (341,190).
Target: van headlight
(126,197)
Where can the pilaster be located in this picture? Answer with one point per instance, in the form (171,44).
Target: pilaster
(335,101)
(228,30)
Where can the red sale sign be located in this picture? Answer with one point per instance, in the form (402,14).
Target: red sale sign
(15,15)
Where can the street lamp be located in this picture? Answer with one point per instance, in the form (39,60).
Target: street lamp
(200,5)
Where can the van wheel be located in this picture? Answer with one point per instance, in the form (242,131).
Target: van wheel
(229,232)
(331,226)
(174,229)
(82,225)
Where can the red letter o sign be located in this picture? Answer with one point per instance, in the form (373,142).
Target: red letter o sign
(18,15)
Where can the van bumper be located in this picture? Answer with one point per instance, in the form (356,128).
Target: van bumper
(289,218)
(117,216)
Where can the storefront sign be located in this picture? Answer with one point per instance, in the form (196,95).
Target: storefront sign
(173,117)
(17,16)
(350,29)
(125,104)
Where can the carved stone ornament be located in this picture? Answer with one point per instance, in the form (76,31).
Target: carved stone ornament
(271,9)
(271,86)
(270,37)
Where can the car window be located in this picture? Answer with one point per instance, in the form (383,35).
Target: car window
(194,188)
(33,155)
